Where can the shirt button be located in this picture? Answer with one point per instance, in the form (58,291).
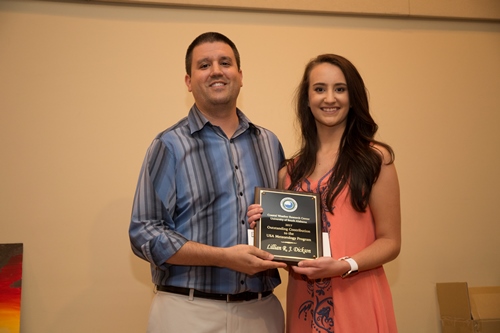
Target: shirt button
(242,221)
(241,194)
(242,282)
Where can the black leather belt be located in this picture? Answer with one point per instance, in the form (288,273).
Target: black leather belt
(244,296)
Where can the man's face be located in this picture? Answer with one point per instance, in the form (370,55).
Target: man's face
(215,80)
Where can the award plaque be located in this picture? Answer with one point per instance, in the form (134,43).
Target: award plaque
(290,226)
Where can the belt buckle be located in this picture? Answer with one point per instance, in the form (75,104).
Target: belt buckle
(241,298)
(234,298)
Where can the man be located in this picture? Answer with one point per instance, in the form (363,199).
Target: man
(189,215)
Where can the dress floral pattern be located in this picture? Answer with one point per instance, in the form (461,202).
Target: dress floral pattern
(358,304)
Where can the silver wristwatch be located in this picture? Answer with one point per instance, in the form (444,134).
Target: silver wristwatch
(354,267)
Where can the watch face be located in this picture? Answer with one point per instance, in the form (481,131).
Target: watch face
(349,273)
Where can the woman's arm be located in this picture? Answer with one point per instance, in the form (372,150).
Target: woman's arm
(385,206)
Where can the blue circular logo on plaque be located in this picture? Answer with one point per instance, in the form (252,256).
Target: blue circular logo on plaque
(288,204)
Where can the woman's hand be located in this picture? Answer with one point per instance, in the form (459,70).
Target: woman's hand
(254,213)
(323,267)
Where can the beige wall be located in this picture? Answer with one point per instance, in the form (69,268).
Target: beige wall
(84,88)
(465,9)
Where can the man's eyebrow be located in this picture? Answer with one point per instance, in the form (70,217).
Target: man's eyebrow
(207,60)
(226,58)
(202,61)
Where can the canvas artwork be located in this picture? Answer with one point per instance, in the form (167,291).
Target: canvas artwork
(11,261)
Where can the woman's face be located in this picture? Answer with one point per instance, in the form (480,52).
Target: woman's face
(328,96)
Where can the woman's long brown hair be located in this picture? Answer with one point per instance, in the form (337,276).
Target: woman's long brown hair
(359,163)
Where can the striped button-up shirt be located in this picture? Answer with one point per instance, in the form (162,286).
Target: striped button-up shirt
(196,184)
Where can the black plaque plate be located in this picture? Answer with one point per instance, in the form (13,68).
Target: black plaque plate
(290,227)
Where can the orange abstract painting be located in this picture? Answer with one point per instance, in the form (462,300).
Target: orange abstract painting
(11,261)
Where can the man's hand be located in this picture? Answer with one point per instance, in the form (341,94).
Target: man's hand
(242,258)
(248,259)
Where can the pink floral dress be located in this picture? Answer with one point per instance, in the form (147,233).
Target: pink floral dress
(361,303)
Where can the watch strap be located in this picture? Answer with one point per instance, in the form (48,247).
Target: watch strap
(353,264)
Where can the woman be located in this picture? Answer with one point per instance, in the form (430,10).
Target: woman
(357,181)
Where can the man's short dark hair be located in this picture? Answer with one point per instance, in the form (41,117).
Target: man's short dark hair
(209,37)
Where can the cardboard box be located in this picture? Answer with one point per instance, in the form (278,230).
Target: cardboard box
(467,309)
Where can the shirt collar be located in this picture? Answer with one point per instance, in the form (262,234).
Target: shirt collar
(197,121)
